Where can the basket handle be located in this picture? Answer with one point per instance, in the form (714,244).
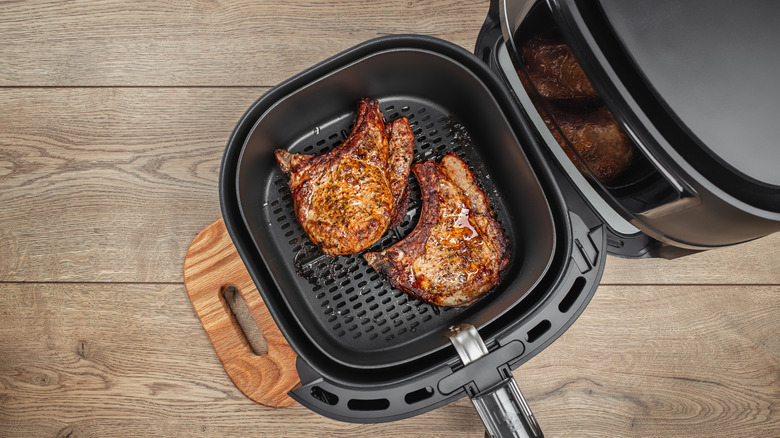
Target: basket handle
(502,407)
(212,265)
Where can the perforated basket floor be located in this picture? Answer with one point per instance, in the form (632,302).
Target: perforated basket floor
(351,300)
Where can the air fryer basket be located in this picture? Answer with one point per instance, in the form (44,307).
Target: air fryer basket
(368,352)
(345,307)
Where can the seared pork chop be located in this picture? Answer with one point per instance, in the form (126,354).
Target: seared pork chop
(346,198)
(568,101)
(457,250)
(597,138)
(555,72)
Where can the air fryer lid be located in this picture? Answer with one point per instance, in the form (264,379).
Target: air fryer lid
(703,73)
(714,66)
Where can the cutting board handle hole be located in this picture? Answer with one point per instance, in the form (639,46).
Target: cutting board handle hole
(252,333)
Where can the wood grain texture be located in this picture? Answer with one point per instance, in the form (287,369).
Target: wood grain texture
(153,43)
(212,265)
(110,360)
(113,119)
(133,360)
(755,262)
(661,361)
(107,184)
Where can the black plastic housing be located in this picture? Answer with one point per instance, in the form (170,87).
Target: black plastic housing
(697,200)
(559,242)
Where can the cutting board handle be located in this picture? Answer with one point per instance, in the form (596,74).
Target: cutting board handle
(211,265)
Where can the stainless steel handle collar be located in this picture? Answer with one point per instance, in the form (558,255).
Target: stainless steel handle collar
(502,407)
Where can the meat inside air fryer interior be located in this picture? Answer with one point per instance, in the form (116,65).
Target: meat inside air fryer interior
(346,198)
(572,109)
(457,250)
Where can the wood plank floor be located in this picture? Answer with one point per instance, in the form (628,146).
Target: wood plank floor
(113,119)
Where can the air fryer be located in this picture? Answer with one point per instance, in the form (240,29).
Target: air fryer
(370,353)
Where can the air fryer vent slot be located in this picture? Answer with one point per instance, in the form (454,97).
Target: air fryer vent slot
(536,332)
(378,404)
(572,295)
(324,396)
(419,395)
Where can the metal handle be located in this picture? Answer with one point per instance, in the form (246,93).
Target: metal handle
(502,408)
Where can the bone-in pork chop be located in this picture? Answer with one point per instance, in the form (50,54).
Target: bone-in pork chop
(457,250)
(346,198)
(567,101)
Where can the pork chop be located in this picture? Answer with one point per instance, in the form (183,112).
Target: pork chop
(457,250)
(346,198)
(573,111)
(555,72)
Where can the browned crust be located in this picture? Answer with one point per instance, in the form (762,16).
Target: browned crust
(461,175)
(372,150)
(392,262)
(555,72)
(399,167)
(598,140)
(572,111)
(303,168)
(401,206)
(290,162)
(401,154)
(396,262)
(306,172)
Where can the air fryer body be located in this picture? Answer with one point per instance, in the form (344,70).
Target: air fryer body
(686,191)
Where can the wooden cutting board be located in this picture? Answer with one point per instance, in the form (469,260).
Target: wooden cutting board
(212,266)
